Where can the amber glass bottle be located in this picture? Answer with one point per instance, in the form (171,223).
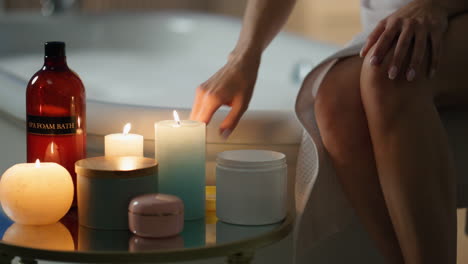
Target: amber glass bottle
(56,113)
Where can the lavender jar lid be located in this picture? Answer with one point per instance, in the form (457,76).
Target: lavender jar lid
(156,204)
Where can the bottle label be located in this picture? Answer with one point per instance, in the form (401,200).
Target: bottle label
(51,125)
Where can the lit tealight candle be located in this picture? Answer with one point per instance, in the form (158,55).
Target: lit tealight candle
(36,193)
(180,151)
(124,144)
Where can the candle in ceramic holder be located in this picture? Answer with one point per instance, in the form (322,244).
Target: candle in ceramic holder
(180,151)
(106,185)
(124,144)
(36,193)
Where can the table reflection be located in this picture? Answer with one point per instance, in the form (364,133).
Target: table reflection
(52,237)
(226,233)
(194,233)
(69,235)
(139,244)
(90,239)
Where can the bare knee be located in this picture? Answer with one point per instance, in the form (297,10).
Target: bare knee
(340,115)
(386,100)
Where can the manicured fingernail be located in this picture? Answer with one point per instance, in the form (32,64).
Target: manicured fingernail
(226,133)
(432,73)
(392,73)
(374,60)
(361,53)
(410,74)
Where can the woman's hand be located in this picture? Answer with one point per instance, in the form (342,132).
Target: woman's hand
(410,29)
(233,86)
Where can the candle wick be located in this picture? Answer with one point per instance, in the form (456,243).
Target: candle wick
(178,122)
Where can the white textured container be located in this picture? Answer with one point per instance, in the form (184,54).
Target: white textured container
(251,187)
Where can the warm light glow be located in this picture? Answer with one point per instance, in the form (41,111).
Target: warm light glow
(127,128)
(40,194)
(127,163)
(52,147)
(176,117)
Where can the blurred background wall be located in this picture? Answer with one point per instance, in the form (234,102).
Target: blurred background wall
(333,21)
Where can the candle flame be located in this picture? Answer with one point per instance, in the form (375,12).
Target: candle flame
(127,128)
(38,163)
(176,117)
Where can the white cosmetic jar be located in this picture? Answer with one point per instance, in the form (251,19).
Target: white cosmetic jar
(251,187)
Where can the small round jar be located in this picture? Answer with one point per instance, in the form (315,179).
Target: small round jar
(251,187)
(107,184)
(156,215)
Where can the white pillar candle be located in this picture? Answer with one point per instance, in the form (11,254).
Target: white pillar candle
(124,144)
(180,151)
(36,193)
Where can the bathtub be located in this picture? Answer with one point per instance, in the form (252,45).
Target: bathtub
(138,68)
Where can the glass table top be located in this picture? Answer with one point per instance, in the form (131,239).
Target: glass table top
(68,235)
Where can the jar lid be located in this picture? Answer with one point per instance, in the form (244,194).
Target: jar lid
(250,158)
(156,204)
(116,167)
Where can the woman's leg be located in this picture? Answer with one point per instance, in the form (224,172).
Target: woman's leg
(343,126)
(414,163)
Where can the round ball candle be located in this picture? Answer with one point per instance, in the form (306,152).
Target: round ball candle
(36,193)
(124,144)
(180,151)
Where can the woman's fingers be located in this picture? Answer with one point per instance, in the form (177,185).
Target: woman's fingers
(239,106)
(401,50)
(420,36)
(372,39)
(205,105)
(436,44)
(384,44)
(232,85)
(209,105)
(419,48)
(408,30)
(197,103)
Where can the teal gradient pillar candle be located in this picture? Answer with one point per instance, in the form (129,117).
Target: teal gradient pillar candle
(180,151)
